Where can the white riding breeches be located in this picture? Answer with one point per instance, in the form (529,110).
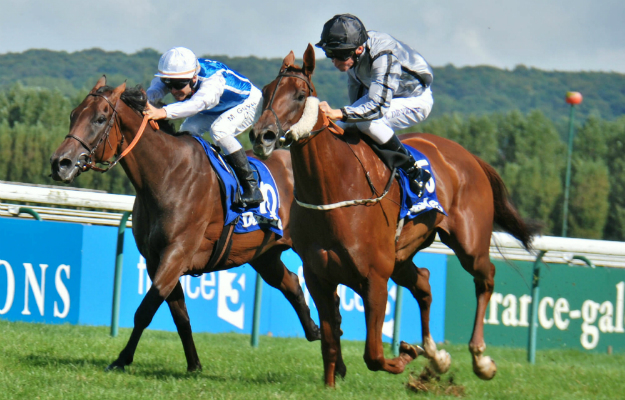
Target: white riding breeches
(224,127)
(404,112)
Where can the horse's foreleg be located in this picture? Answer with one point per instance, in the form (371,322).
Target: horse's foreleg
(325,297)
(163,283)
(143,316)
(275,273)
(375,298)
(417,280)
(179,313)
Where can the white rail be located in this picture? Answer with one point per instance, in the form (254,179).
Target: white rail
(65,197)
(503,246)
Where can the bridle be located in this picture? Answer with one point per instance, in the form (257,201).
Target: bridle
(89,161)
(282,135)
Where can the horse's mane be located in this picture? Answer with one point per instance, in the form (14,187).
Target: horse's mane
(136,98)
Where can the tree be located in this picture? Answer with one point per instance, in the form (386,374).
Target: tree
(532,168)
(590,188)
(615,225)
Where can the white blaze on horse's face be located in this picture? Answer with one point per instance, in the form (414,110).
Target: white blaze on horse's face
(308,120)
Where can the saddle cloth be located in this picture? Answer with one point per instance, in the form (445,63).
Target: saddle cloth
(411,205)
(251,219)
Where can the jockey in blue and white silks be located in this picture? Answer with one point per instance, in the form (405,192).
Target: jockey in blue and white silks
(213,98)
(388,84)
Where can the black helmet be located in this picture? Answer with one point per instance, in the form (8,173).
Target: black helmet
(343,32)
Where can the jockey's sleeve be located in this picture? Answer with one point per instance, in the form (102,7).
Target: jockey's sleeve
(207,97)
(385,74)
(156,91)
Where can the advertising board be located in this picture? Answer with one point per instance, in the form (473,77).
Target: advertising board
(59,272)
(579,307)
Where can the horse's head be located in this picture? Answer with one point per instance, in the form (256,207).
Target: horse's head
(284,102)
(90,137)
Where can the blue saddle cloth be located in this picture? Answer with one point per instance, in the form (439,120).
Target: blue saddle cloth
(411,205)
(252,219)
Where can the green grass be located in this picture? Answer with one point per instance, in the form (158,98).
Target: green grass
(68,362)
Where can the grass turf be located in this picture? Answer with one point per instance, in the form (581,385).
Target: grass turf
(66,361)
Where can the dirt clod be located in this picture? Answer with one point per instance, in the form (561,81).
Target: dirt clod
(429,381)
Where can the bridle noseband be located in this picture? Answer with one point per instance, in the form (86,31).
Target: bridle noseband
(89,162)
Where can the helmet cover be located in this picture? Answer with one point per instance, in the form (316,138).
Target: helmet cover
(177,63)
(343,32)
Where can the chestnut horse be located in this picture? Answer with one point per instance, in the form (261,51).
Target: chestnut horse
(354,242)
(178,215)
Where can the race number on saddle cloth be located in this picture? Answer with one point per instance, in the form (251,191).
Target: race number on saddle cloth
(411,204)
(252,219)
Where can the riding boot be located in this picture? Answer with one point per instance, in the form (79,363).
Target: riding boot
(252,195)
(404,160)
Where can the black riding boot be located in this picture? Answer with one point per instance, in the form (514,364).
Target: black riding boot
(403,159)
(252,195)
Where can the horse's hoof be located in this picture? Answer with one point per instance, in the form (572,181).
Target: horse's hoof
(410,350)
(485,368)
(314,334)
(115,367)
(195,368)
(441,362)
(340,369)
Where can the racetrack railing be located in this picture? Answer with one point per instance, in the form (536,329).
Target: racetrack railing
(111,207)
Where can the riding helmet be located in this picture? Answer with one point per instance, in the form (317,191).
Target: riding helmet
(178,63)
(343,32)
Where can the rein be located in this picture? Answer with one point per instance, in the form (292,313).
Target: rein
(90,163)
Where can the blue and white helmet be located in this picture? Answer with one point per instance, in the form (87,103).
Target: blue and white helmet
(178,63)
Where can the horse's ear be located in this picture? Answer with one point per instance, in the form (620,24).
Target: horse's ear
(309,60)
(101,82)
(118,92)
(288,61)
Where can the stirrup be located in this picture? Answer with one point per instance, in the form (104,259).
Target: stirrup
(419,177)
(253,199)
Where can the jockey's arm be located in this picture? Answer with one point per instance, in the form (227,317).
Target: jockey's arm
(205,98)
(385,75)
(156,91)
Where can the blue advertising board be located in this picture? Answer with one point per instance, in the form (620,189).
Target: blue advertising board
(40,271)
(77,262)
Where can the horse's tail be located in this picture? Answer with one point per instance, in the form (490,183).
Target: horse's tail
(506,215)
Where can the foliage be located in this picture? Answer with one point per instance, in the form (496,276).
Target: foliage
(478,90)
(515,120)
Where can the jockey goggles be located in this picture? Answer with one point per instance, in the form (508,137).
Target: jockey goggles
(177,84)
(341,55)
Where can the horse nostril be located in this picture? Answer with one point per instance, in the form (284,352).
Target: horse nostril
(252,136)
(269,138)
(65,163)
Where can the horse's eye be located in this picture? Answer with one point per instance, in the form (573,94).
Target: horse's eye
(301,97)
(101,120)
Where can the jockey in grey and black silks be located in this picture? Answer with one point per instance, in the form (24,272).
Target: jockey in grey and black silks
(388,84)
(385,70)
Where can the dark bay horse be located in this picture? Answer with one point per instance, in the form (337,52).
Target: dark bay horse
(356,245)
(178,215)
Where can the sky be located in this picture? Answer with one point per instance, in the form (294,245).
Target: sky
(564,35)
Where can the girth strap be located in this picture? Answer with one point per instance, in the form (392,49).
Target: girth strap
(221,250)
